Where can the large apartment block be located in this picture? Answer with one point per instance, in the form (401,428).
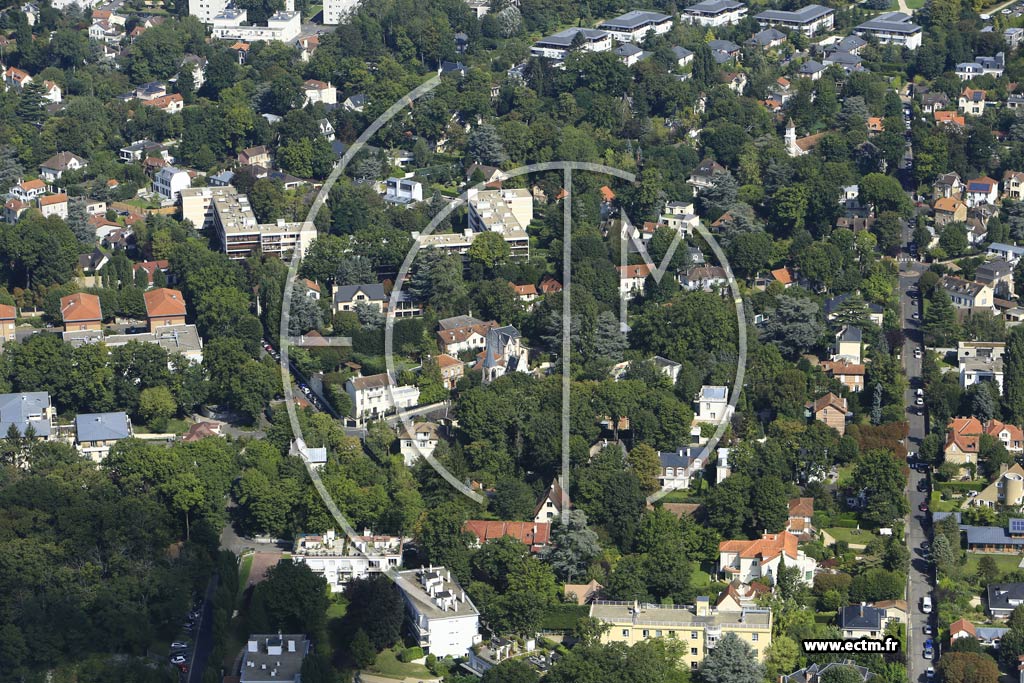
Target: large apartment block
(699,626)
(499,210)
(340,559)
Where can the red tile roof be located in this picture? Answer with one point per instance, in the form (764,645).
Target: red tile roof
(533,534)
(80,307)
(164,303)
(768,547)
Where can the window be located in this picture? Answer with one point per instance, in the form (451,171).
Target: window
(671,634)
(753,637)
(657,633)
(647,634)
(693,651)
(693,665)
(693,635)
(625,633)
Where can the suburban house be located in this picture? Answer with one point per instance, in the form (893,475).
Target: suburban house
(378,395)
(962,440)
(53,168)
(1011,253)
(29,413)
(700,625)
(831,410)
(348,297)
(981,362)
(934,101)
(340,559)
(949,210)
(164,307)
(949,119)
(680,468)
(463,333)
(170,181)
(759,560)
(254,156)
(801,514)
(8,322)
(947,185)
(452,369)
(443,620)
(631,279)
(54,205)
(1011,436)
(971,102)
(584,593)
(549,507)
(1013,185)
(998,275)
(869,620)
(714,12)
(712,404)
(982,190)
(1007,490)
(81,311)
(815,673)
(273,658)
(28,190)
(704,175)
(982,66)
(503,352)
(417,442)
(1002,598)
(849,344)
(988,636)
(526,293)
(318,91)
(96,433)
(534,535)
(738,596)
(850,374)
(967,294)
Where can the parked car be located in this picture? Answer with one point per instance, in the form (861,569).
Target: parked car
(930,673)
(179,645)
(178,659)
(923,507)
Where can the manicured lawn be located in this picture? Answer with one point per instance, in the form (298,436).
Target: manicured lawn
(698,578)
(337,609)
(243,571)
(938,505)
(387,664)
(1006,563)
(844,475)
(174,426)
(915,4)
(850,535)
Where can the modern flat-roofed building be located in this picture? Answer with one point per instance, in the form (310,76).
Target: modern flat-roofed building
(808,20)
(206,10)
(557,46)
(700,625)
(892,28)
(230,24)
(340,559)
(274,658)
(444,621)
(459,243)
(499,210)
(240,234)
(634,26)
(714,12)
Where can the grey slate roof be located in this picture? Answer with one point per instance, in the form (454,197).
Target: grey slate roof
(681,52)
(811,66)
(766,37)
(16,409)
(374,292)
(564,38)
(627,50)
(850,43)
(851,334)
(713,6)
(633,20)
(804,15)
(891,22)
(681,458)
(861,617)
(101,426)
(723,46)
(1005,596)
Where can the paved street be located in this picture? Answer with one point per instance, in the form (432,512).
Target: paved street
(204,636)
(918,528)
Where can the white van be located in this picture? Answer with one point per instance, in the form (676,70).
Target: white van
(926,605)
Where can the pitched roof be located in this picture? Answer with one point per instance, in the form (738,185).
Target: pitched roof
(30,185)
(60,161)
(962,626)
(995,426)
(783,275)
(554,494)
(949,117)
(829,400)
(373,292)
(80,307)
(524,290)
(371,381)
(641,270)
(948,204)
(18,409)
(606,193)
(446,361)
(966,426)
(164,302)
(532,534)
(52,199)
(101,426)
(7,312)
(801,507)
(767,548)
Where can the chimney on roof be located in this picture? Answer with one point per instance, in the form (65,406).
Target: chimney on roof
(862,608)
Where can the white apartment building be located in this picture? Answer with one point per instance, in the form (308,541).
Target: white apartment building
(499,210)
(714,12)
(403,191)
(980,362)
(281,27)
(169,182)
(206,10)
(892,28)
(378,395)
(808,20)
(335,11)
(444,621)
(558,45)
(634,26)
(341,559)
(240,235)
(459,243)
(712,404)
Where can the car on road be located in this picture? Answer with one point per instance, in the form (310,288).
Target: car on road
(922,485)
(927,629)
(930,673)
(916,315)
(926,604)
(923,507)
(178,659)
(925,545)
(919,401)
(179,645)
(917,353)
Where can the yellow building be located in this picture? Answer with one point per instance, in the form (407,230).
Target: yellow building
(700,625)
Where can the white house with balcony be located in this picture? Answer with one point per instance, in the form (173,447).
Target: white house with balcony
(634,26)
(378,395)
(558,46)
(170,181)
(443,620)
(340,559)
(759,560)
(417,442)
(714,12)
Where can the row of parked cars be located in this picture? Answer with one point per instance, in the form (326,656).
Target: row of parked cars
(181,649)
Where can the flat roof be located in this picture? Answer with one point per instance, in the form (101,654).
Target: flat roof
(683,616)
(410,585)
(713,7)
(565,38)
(892,22)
